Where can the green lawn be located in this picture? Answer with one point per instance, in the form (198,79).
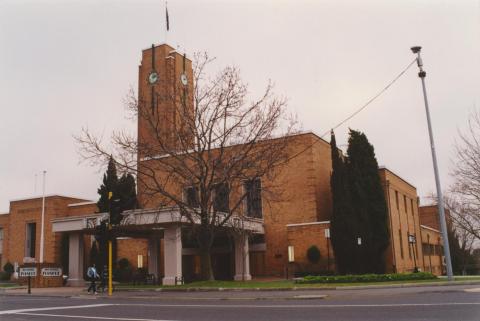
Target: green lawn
(279,284)
(8,285)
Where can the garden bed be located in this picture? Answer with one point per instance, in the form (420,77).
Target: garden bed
(366,278)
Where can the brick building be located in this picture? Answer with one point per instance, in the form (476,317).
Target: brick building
(280,232)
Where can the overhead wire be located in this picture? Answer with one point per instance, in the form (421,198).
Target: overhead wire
(363,107)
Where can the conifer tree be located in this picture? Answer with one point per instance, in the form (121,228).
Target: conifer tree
(343,223)
(368,202)
(124,197)
(110,181)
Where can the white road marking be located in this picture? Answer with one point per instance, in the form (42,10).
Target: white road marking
(89,317)
(472,290)
(54,308)
(301,306)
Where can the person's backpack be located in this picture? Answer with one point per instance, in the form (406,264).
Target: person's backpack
(91,272)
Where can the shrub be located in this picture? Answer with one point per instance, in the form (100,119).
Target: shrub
(124,270)
(8,267)
(123,264)
(367,278)
(301,274)
(5,276)
(313,254)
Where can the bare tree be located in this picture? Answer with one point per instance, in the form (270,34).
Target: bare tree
(465,199)
(460,237)
(210,162)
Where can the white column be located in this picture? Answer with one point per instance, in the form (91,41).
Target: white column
(75,260)
(153,250)
(172,254)
(242,261)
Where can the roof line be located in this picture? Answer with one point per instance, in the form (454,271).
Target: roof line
(81,203)
(395,174)
(429,228)
(46,196)
(308,223)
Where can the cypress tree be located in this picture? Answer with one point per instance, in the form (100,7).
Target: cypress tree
(125,196)
(343,224)
(110,182)
(368,202)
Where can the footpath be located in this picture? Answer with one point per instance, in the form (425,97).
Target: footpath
(291,293)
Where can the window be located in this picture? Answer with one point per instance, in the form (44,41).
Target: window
(291,253)
(253,198)
(426,249)
(401,243)
(396,199)
(31,235)
(411,205)
(405,203)
(221,198)
(190,195)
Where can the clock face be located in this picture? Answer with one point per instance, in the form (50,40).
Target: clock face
(184,79)
(153,77)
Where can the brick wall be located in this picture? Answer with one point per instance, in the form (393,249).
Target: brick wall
(27,211)
(131,248)
(402,202)
(302,237)
(433,255)
(4,225)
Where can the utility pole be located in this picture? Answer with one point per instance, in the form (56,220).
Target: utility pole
(443,223)
(42,229)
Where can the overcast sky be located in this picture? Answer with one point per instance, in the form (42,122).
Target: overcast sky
(65,65)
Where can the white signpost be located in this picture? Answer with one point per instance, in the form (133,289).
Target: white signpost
(50,272)
(28,271)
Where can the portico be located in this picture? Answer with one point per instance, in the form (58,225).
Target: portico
(156,225)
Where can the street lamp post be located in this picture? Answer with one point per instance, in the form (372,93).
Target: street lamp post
(443,224)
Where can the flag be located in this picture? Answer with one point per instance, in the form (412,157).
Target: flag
(166,17)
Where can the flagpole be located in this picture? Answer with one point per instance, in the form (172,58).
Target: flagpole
(42,230)
(166,22)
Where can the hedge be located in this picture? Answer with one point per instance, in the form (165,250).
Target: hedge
(5,276)
(366,278)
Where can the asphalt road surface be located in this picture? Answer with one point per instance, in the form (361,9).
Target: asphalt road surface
(450,303)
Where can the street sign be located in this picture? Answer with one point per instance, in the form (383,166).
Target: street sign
(28,271)
(50,272)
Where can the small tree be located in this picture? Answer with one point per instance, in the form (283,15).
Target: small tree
(313,254)
(8,267)
(465,198)
(110,182)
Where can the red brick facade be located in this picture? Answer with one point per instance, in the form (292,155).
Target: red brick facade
(297,217)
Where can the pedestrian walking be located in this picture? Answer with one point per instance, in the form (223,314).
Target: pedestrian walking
(93,276)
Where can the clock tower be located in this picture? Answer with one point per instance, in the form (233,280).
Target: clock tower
(165,101)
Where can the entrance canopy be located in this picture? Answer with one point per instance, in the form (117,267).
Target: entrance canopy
(166,223)
(164,216)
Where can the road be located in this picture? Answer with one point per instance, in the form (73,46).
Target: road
(421,303)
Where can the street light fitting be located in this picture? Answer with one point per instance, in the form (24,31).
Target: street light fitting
(416,49)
